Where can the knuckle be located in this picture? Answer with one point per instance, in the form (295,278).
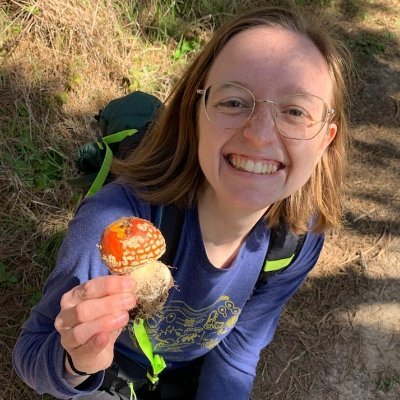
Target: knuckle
(87,290)
(58,323)
(109,305)
(78,336)
(64,301)
(81,312)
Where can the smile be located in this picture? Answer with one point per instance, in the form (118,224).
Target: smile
(253,166)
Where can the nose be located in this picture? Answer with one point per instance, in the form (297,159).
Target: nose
(261,129)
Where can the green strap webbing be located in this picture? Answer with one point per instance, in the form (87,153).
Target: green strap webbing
(132,390)
(156,361)
(105,167)
(275,265)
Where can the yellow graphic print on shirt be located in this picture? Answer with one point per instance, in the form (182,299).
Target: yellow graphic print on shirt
(179,326)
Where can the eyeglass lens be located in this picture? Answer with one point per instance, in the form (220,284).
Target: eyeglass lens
(298,116)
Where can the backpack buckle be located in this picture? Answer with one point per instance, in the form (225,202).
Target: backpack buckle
(153,381)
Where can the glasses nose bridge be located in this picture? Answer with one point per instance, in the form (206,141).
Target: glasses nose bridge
(272,105)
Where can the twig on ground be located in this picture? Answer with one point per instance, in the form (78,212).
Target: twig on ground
(365,252)
(288,365)
(364,214)
(363,262)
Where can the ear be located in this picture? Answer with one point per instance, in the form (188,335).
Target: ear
(332,130)
(329,136)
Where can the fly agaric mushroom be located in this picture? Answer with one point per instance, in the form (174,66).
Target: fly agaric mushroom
(132,246)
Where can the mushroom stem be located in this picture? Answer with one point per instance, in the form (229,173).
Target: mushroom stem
(153,281)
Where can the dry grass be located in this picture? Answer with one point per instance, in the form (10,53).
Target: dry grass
(60,62)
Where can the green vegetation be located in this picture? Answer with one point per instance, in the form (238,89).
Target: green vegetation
(6,277)
(370,44)
(387,381)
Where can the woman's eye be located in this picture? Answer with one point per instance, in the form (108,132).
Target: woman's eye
(295,112)
(231,104)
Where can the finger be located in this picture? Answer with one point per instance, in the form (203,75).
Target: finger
(83,333)
(93,309)
(96,288)
(97,354)
(114,334)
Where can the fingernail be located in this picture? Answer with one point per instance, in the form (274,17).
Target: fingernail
(129,284)
(128,300)
(121,317)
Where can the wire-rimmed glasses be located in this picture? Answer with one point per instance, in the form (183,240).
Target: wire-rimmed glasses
(297,116)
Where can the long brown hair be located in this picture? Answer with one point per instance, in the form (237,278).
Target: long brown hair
(165,167)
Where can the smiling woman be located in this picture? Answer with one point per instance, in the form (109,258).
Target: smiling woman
(271,63)
(252,138)
(182,177)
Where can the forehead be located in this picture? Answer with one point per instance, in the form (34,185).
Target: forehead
(272,62)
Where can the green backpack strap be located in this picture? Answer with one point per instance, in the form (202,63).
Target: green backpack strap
(108,157)
(157,362)
(284,247)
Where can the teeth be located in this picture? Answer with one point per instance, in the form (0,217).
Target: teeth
(249,165)
(256,167)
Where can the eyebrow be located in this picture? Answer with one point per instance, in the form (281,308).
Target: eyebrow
(296,89)
(289,89)
(238,83)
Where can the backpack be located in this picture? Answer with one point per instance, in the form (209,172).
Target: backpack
(122,124)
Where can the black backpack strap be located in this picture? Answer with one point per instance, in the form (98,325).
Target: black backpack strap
(283,249)
(169,219)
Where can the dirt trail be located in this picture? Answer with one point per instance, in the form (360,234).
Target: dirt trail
(365,359)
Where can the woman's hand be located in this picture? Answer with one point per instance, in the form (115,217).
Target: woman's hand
(91,318)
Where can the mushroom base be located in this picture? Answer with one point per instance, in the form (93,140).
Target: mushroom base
(153,282)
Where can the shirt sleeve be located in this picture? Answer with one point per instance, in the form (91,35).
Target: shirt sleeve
(229,369)
(38,356)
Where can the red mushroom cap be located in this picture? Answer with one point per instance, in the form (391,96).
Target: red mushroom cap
(130,242)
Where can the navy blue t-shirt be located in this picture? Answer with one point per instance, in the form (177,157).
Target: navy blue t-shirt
(220,314)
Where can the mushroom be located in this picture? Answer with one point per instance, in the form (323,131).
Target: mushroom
(132,246)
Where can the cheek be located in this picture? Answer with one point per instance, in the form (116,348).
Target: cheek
(211,139)
(206,148)
(202,154)
(319,146)
(201,138)
(304,158)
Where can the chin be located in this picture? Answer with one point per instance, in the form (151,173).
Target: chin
(249,204)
